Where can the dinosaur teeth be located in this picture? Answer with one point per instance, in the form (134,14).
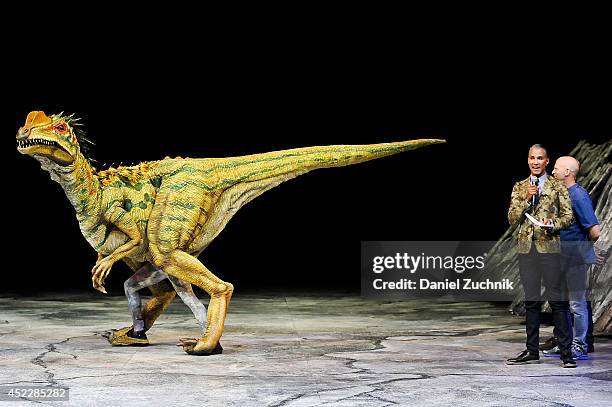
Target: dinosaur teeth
(28,143)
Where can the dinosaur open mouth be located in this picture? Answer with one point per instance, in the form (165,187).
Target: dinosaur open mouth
(45,148)
(37,141)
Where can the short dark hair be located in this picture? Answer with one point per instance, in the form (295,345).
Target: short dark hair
(539,146)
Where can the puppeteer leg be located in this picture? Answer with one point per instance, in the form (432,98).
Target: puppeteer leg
(184,290)
(145,277)
(163,294)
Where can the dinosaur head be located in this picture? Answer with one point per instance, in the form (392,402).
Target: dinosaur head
(51,137)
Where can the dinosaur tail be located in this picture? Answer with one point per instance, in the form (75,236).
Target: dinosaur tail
(290,163)
(245,178)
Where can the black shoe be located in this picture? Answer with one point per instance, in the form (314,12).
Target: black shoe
(137,334)
(567,360)
(591,348)
(549,344)
(523,358)
(554,352)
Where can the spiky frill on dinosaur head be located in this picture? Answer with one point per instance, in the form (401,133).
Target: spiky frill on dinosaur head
(55,138)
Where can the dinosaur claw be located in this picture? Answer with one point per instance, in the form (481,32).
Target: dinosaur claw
(186,342)
(191,350)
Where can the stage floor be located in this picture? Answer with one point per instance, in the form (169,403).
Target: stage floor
(292,349)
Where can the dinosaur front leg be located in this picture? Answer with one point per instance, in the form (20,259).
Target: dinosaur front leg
(188,268)
(122,221)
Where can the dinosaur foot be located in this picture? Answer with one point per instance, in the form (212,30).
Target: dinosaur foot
(187,341)
(197,347)
(113,334)
(128,338)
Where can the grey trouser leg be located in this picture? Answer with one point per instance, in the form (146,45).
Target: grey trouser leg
(147,276)
(184,290)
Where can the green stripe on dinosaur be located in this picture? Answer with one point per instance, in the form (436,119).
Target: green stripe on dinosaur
(227,181)
(184,205)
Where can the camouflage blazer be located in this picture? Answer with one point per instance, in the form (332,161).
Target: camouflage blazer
(554,203)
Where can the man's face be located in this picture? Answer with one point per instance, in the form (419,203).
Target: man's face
(537,160)
(560,171)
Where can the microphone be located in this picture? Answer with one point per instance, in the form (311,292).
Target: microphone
(533,198)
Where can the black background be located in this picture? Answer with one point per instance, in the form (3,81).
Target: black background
(143,99)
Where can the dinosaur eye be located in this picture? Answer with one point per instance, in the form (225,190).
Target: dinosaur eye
(60,127)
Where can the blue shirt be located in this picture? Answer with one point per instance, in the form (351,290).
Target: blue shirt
(585,218)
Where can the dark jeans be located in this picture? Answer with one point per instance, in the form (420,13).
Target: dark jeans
(534,267)
(590,338)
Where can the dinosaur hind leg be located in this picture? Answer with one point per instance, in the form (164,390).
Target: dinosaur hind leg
(145,277)
(163,294)
(188,268)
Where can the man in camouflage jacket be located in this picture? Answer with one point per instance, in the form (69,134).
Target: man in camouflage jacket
(547,200)
(554,205)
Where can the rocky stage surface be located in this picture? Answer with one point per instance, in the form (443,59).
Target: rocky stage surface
(292,349)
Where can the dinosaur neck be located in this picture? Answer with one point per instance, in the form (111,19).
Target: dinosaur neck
(79,183)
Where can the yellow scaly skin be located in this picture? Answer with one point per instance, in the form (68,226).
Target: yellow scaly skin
(167,212)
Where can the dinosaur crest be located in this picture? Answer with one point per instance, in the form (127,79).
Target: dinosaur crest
(35,119)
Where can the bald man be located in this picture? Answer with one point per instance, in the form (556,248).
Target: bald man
(577,255)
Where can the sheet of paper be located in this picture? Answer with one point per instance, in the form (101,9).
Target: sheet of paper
(537,222)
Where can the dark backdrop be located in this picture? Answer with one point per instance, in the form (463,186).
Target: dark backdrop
(305,233)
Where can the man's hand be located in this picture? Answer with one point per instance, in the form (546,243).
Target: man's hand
(100,271)
(600,256)
(532,190)
(548,223)
(599,259)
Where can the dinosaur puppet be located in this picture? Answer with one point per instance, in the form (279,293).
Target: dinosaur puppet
(165,213)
